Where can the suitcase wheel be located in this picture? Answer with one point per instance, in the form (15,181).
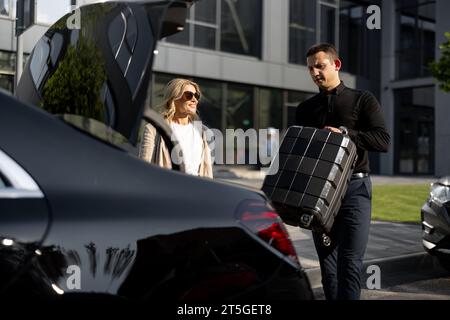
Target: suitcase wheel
(326,240)
(306,219)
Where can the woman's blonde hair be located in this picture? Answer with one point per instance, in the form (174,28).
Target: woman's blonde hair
(173,91)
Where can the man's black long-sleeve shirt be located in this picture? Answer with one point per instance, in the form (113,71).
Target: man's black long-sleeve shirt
(358,111)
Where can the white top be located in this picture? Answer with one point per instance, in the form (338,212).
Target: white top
(191,144)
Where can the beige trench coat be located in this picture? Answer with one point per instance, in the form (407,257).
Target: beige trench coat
(148,145)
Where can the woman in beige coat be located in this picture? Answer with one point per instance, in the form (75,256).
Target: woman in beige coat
(179,109)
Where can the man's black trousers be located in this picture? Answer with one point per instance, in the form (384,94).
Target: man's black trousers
(341,263)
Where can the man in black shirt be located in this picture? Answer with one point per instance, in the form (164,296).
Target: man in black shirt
(358,114)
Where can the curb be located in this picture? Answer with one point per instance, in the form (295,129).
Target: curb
(393,270)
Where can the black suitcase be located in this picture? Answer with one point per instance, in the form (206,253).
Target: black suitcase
(315,167)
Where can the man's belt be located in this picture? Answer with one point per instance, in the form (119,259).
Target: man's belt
(359,175)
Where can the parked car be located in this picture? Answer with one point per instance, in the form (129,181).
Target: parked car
(436,221)
(81,217)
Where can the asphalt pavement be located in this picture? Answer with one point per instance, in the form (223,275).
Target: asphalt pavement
(396,248)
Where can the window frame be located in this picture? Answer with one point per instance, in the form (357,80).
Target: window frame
(191,24)
(334,4)
(418,30)
(335,7)
(10,12)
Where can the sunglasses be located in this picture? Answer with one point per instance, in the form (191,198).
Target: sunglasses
(188,95)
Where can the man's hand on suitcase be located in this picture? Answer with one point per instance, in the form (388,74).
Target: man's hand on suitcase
(332,129)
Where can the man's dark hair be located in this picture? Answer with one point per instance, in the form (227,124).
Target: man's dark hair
(325,47)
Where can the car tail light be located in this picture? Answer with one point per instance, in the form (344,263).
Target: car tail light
(262,220)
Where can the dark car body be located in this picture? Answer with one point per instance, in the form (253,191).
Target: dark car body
(435,216)
(81,217)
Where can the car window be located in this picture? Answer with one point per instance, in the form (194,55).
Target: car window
(38,65)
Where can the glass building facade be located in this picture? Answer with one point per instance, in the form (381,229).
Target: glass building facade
(414,114)
(248,56)
(416,37)
(414,105)
(229,105)
(311,22)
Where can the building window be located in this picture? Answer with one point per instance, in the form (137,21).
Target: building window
(302,29)
(201,27)
(7,68)
(239,110)
(310,22)
(226,105)
(205,24)
(5,7)
(352,37)
(414,130)
(270,103)
(224,25)
(7,82)
(241,27)
(210,106)
(293,99)
(416,37)
(7,61)
(358,44)
(328,21)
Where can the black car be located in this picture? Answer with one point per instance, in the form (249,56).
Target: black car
(81,217)
(436,221)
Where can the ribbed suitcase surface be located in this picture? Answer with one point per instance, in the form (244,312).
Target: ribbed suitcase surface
(314,169)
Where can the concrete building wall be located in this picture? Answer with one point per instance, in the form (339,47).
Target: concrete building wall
(7,39)
(30,37)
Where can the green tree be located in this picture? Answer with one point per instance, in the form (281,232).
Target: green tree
(75,86)
(441,68)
